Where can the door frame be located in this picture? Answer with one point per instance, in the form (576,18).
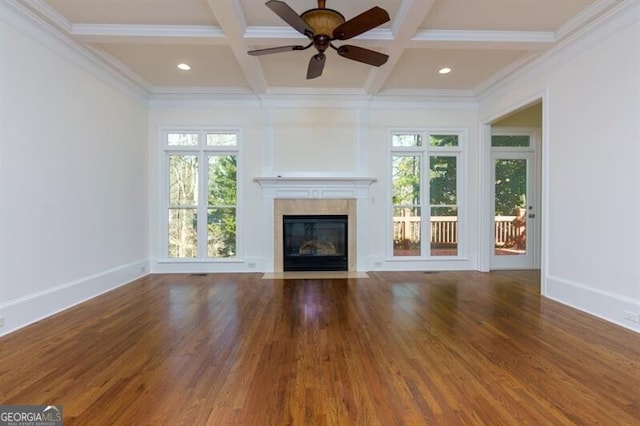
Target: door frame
(491,114)
(531,260)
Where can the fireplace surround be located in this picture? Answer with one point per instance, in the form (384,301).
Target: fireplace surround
(315,196)
(323,207)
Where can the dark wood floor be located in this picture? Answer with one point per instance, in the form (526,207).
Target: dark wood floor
(408,348)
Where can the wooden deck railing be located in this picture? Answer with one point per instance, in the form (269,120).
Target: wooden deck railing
(505,232)
(444,229)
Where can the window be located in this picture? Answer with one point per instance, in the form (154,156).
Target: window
(425,182)
(512,141)
(201,194)
(406,184)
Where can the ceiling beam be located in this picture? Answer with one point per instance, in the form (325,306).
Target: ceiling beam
(269,36)
(546,37)
(233,24)
(264,36)
(404,26)
(156,34)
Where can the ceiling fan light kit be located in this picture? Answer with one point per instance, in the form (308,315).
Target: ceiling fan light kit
(323,21)
(322,26)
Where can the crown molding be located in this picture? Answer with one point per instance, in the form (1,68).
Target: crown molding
(122,69)
(48,13)
(604,18)
(310,91)
(312,98)
(430,93)
(26,21)
(37,19)
(426,99)
(315,98)
(587,15)
(202,97)
(507,71)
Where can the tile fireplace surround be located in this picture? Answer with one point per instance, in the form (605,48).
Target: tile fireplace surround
(315,195)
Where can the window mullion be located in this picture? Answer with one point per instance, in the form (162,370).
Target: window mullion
(425,204)
(203,174)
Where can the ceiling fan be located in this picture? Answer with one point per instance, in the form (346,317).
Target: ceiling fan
(322,26)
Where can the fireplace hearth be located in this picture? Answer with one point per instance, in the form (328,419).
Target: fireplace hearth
(315,242)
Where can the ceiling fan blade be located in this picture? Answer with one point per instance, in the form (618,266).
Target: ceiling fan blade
(316,65)
(361,54)
(290,16)
(361,23)
(280,49)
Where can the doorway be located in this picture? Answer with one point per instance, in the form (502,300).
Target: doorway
(514,210)
(515,191)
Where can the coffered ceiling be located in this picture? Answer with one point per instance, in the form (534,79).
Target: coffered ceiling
(480,40)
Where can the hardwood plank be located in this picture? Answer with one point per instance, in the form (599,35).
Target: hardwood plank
(401,348)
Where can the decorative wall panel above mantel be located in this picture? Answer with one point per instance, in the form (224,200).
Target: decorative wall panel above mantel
(315,187)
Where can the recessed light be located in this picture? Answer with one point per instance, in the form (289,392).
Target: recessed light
(184,67)
(445,70)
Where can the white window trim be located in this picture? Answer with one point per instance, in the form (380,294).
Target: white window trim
(425,151)
(202,150)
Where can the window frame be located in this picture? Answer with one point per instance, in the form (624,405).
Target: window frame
(202,151)
(425,152)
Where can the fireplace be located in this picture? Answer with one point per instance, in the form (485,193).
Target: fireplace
(315,242)
(285,195)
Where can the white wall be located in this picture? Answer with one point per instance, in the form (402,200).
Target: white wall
(73,181)
(591,174)
(316,138)
(529,117)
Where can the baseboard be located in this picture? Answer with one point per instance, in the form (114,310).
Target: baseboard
(419,264)
(314,275)
(26,310)
(608,306)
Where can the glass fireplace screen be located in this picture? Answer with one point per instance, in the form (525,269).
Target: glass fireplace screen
(315,242)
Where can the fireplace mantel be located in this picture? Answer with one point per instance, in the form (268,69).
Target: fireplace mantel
(314,187)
